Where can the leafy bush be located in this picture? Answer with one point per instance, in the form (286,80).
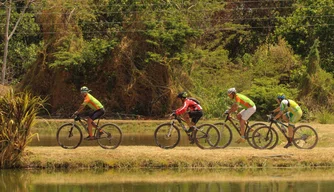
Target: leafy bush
(17,116)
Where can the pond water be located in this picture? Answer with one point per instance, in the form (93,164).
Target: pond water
(127,140)
(182,180)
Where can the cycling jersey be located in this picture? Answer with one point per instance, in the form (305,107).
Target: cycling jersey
(188,105)
(244,101)
(290,106)
(294,111)
(92,102)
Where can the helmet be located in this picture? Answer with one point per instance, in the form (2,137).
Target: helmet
(182,95)
(231,90)
(281,96)
(84,89)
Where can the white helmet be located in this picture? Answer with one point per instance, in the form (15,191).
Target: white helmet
(231,90)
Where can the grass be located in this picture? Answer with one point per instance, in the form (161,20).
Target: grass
(179,157)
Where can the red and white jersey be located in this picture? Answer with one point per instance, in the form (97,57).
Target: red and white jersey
(188,105)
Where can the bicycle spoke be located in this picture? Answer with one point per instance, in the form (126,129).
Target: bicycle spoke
(167,136)
(207,136)
(111,137)
(69,136)
(225,135)
(249,133)
(263,137)
(305,137)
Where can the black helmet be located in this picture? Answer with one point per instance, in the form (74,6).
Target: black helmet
(182,95)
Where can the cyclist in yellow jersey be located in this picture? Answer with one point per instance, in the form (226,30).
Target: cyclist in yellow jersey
(292,116)
(95,105)
(248,106)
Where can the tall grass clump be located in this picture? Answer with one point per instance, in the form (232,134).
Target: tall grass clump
(325,117)
(18,112)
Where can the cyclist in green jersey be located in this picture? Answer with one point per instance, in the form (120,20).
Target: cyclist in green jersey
(95,105)
(292,116)
(248,106)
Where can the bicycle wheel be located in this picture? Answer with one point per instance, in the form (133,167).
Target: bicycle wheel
(167,136)
(207,136)
(305,137)
(111,137)
(248,134)
(225,135)
(264,136)
(69,136)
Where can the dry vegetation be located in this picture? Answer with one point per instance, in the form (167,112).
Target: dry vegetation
(188,157)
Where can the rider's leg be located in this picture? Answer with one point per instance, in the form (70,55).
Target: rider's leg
(286,118)
(96,114)
(90,132)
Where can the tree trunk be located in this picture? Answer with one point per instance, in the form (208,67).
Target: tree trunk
(8,36)
(6,40)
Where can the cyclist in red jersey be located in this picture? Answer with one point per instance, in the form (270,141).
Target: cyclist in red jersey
(95,105)
(190,109)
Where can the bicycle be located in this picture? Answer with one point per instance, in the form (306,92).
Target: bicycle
(69,135)
(226,135)
(304,136)
(167,135)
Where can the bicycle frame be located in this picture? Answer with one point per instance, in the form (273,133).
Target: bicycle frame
(232,120)
(82,122)
(278,125)
(181,124)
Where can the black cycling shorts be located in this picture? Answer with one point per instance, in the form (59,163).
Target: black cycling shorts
(195,116)
(97,114)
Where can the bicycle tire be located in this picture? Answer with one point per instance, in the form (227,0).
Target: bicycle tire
(305,137)
(111,137)
(167,136)
(248,134)
(207,136)
(69,136)
(264,136)
(226,135)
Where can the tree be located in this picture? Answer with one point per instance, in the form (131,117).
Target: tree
(8,35)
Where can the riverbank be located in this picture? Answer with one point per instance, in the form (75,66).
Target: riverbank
(179,157)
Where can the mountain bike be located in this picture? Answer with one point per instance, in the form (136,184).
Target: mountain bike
(304,136)
(167,135)
(69,135)
(226,135)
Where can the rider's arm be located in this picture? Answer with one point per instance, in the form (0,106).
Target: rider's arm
(233,108)
(82,106)
(276,110)
(182,109)
(278,115)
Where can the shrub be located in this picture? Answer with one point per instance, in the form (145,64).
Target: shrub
(17,116)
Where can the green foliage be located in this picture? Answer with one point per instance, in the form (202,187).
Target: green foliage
(309,21)
(273,69)
(18,112)
(264,92)
(141,52)
(317,85)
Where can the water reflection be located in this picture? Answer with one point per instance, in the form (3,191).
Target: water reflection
(128,140)
(217,180)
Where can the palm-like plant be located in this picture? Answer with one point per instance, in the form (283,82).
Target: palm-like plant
(18,112)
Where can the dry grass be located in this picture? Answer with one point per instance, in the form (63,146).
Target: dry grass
(4,89)
(180,157)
